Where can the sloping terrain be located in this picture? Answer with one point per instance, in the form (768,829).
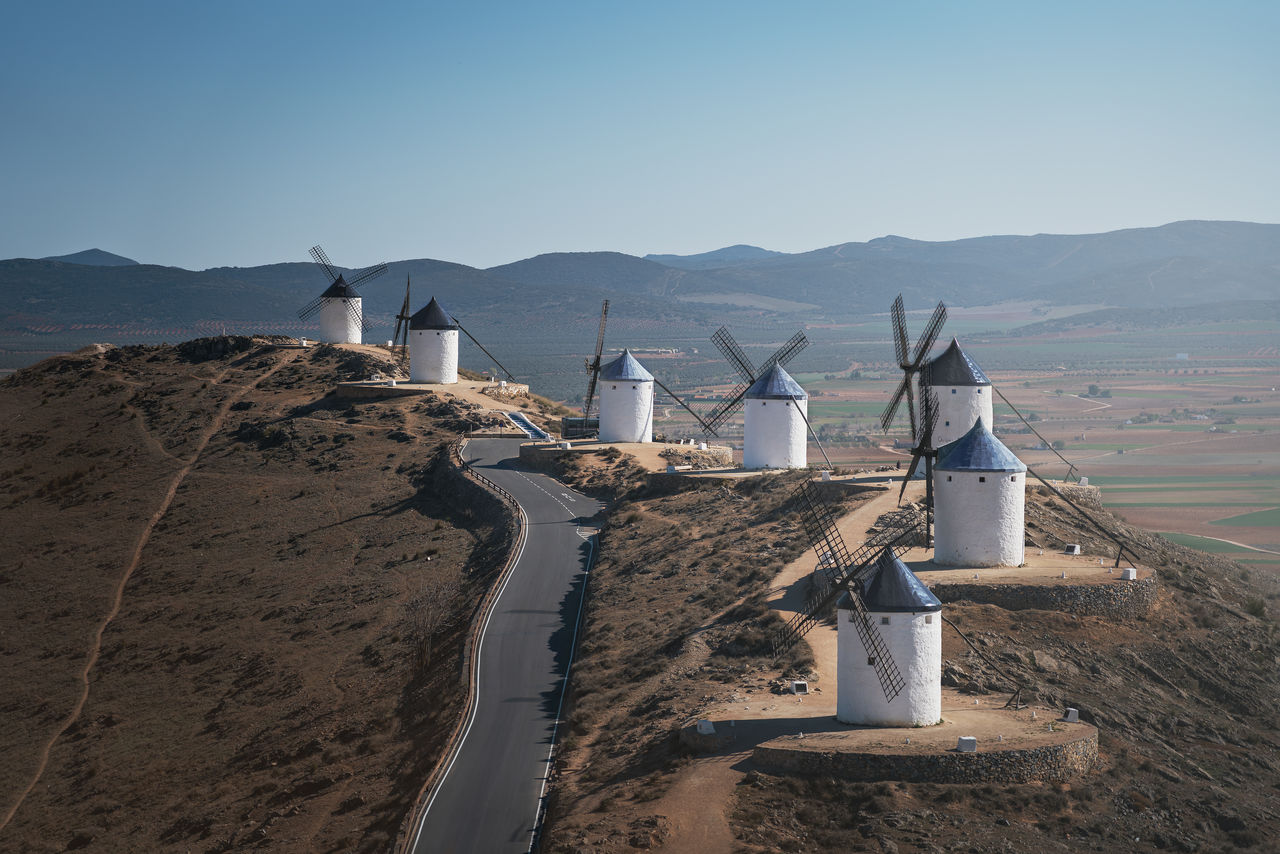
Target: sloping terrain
(1186,700)
(233,606)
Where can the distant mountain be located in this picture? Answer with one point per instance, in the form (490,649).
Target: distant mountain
(611,271)
(93,258)
(725,257)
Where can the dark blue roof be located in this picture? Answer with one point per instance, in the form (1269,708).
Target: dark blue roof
(894,587)
(340,290)
(977,450)
(954,367)
(625,367)
(776,384)
(432,316)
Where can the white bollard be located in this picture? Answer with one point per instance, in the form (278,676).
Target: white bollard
(706,727)
(1129,574)
(1072,716)
(967,744)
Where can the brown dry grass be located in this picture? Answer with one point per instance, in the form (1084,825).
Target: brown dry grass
(263,682)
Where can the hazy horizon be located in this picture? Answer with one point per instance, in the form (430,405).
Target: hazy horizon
(241,135)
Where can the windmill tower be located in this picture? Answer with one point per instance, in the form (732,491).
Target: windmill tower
(888,673)
(433,345)
(340,307)
(908,617)
(964,394)
(626,401)
(775,417)
(979,487)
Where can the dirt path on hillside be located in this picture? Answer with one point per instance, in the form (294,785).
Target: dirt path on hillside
(700,802)
(95,647)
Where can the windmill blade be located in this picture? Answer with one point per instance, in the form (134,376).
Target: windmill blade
(911,413)
(510,375)
(365,275)
(722,412)
(593,367)
(899,314)
(787,351)
(402,319)
(906,478)
(322,259)
(733,353)
(819,525)
(309,310)
(930,334)
(928,413)
(604,315)
(891,681)
(355,315)
(677,399)
(886,417)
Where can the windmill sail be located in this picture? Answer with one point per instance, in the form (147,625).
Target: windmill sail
(841,569)
(749,373)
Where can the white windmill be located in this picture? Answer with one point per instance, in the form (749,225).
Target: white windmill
(979,489)
(433,345)
(908,617)
(626,401)
(775,422)
(340,307)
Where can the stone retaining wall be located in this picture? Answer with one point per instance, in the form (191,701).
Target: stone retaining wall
(1049,763)
(1118,599)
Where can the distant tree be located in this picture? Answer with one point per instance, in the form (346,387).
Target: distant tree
(1093,391)
(1033,417)
(1058,444)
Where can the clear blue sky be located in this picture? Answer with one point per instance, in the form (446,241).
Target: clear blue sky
(241,133)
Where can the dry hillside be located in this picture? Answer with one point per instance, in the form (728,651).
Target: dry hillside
(1186,699)
(232,605)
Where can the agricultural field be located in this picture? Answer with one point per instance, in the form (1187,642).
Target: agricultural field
(1188,446)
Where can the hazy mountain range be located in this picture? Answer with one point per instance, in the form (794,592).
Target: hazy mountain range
(1180,264)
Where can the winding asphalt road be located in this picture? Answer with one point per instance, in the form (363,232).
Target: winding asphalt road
(490,795)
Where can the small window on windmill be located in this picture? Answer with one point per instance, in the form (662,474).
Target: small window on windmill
(953,391)
(614,387)
(928,619)
(1013,478)
(948,478)
(871,661)
(635,386)
(788,403)
(948,423)
(884,621)
(982,479)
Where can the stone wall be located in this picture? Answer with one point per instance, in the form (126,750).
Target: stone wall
(1119,599)
(1050,763)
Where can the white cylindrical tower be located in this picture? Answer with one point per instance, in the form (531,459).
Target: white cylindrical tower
(341,314)
(964,394)
(908,618)
(433,345)
(979,498)
(626,401)
(774,429)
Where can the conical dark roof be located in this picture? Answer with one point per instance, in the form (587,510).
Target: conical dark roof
(340,290)
(432,316)
(776,384)
(625,367)
(977,450)
(893,587)
(954,367)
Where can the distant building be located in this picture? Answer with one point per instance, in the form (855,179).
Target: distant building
(775,430)
(433,345)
